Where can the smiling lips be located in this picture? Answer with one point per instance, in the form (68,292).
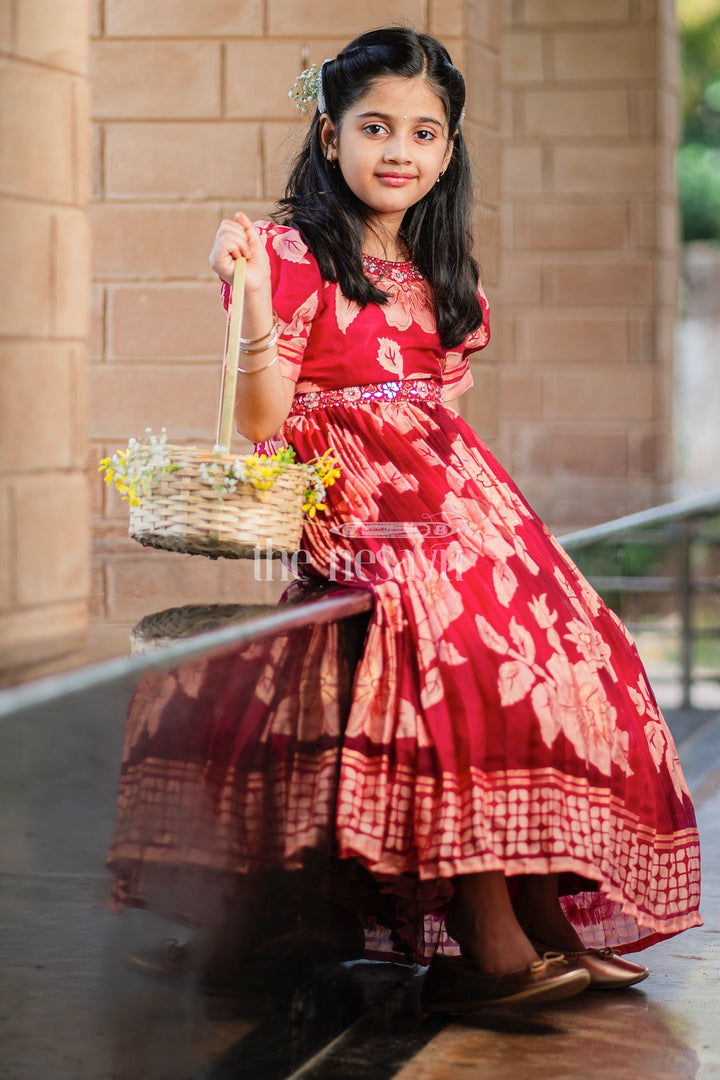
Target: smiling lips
(396,179)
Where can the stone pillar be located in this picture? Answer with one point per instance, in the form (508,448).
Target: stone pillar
(589,254)
(44,284)
(483,132)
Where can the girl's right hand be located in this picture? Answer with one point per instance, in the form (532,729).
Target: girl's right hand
(233,239)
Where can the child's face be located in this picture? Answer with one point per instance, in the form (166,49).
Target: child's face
(391,146)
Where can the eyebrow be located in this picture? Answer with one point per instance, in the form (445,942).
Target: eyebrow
(388,118)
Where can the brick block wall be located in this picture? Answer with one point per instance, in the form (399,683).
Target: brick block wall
(571,123)
(589,249)
(44,283)
(192,121)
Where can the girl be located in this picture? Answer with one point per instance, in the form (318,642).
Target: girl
(504,759)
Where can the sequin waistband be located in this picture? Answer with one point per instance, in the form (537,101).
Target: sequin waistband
(405,390)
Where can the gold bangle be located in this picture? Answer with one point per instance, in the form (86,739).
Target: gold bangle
(260,344)
(254,371)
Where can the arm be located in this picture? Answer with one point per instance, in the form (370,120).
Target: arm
(264,397)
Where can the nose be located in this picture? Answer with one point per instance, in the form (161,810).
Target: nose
(397,148)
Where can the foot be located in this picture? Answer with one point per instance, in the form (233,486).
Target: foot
(181,962)
(607,970)
(505,950)
(481,919)
(454,984)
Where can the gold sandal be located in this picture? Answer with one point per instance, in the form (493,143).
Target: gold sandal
(454,984)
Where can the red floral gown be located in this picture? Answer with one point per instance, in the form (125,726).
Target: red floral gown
(500,717)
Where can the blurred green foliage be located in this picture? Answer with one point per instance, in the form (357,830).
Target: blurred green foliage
(698,160)
(698,177)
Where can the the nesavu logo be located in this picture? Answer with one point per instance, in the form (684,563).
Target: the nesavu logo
(406,530)
(419,551)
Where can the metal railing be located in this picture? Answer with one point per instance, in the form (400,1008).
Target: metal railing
(688,527)
(337,604)
(670,551)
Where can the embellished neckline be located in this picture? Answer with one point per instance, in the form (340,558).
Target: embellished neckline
(395,271)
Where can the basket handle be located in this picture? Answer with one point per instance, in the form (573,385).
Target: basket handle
(231,358)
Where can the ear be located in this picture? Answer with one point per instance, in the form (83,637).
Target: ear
(328,137)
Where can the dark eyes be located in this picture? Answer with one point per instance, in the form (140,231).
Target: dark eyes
(423,135)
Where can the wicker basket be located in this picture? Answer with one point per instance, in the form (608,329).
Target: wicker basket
(182,512)
(168,626)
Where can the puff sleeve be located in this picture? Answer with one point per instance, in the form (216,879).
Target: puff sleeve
(297,291)
(457,377)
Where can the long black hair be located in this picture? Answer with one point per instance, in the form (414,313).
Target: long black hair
(436,230)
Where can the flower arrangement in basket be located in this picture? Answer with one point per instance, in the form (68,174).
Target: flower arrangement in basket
(211,502)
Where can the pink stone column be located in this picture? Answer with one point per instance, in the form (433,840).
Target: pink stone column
(44,285)
(589,254)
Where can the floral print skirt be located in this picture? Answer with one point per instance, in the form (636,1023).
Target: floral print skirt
(499,717)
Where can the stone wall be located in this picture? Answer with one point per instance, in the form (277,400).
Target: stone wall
(589,254)
(572,122)
(192,121)
(44,284)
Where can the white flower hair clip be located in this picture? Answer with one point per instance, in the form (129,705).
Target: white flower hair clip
(308,89)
